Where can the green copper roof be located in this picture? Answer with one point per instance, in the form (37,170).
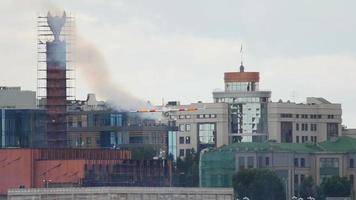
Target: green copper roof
(342,144)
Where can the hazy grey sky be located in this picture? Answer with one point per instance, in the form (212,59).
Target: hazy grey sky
(180,49)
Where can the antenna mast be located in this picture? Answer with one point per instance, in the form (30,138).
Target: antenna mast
(242,68)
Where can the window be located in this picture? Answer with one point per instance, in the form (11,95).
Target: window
(206,116)
(319,116)
(302,162)
(213,115)
(181,117)
(187,152)
(250,162)
(286,115)
(267,161)
(206,133)
(296,164)
(181,140)
(187,140)
(187,127)
(329,167)
(332,130)
(200,116)
(304,127)
(181,127)
(297,127)
(313,127)
(241,163)
(352,179)
(88,140)
(297,116)
(351,164)
(296,180)
(181,152)
(302,176)
(187,116)
(297,139)
(330,116)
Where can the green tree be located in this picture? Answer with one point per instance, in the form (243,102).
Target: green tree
(146,152)
(187,170)
(258,184)
(307,188)
(336,187)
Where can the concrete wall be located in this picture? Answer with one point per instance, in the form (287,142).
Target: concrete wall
(14,97)
(123,193)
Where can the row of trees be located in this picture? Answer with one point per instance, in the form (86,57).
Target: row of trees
(263,184)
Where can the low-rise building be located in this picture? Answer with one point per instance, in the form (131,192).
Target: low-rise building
(291,162)
(53,167)
(350,132)
(316,120)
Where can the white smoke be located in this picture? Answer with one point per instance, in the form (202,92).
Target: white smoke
(93,67)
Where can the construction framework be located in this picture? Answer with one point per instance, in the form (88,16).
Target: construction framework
(55,73)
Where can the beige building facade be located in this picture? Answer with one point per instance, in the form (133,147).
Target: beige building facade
(205,126)
(314,121)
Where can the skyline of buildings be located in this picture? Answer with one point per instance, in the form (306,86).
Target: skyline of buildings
(239,116)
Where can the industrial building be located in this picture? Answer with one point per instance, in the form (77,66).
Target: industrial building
(53,167)
(123,193)
(247,106)
(316,120)
(55,73)
(291,162)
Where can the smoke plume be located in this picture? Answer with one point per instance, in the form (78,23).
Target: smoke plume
(93,67)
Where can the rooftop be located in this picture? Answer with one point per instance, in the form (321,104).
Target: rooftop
(343,144)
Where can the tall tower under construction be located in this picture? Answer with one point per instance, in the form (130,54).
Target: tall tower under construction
(54,74)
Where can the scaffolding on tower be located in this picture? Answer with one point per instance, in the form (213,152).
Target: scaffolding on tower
(55,72)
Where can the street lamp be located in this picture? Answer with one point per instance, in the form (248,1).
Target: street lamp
(245,198)
(310,198)
(294,198)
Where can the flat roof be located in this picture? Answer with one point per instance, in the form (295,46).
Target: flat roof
(342,144)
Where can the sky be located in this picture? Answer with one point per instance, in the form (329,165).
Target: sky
(179,50)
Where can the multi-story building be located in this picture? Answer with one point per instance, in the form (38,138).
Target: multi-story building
(247,106)
(15,98)
(93,129)
(21,124)
(195,129)
(291,162)
(93,124)
(315,121)
(22,128)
